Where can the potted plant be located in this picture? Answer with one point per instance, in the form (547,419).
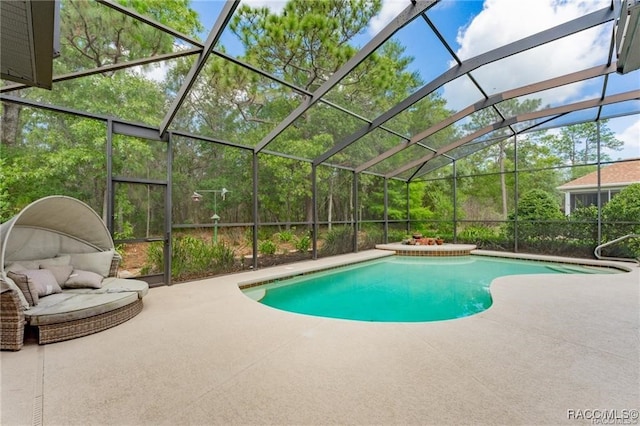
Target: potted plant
(439,240)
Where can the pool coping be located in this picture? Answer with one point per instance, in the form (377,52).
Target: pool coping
(621,266)
(448,249)
(324,264)
(311,266)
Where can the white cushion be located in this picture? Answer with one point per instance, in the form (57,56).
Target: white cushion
(98,262)
(61,272)
(83,279)
(21,265)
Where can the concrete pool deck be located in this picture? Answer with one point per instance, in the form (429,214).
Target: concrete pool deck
(550,348)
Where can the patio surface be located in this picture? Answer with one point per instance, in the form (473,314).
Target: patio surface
(549,348)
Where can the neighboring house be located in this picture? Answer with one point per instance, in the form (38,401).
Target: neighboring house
(583,192)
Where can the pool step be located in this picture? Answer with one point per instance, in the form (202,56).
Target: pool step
(581,269)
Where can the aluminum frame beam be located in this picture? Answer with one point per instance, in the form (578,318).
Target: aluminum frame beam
(493,100)
(214,35)
(139,17)
(108,68)
(582,23)
(297,89)
(535,128)
(36,104)
(407,15)
(622,97)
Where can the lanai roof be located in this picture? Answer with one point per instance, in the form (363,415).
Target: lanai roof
(465,79)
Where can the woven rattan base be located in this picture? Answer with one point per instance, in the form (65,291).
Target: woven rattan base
(11,322)
(83,327)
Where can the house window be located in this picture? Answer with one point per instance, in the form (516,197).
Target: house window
(585,200)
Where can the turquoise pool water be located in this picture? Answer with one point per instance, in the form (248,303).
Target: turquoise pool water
(402,289)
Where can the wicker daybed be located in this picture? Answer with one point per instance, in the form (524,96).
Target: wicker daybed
(58,273)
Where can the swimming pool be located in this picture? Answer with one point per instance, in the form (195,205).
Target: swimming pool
(402,288)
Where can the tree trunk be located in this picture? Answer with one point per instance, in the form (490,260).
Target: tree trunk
(10,124)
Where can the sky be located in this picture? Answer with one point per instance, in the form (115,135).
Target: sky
(472,27)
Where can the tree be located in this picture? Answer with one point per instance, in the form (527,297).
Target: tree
(307,42)
(63,150)
(623,212)
(305,45)
(498,151)
(537,204)
(578,144)
(536,213)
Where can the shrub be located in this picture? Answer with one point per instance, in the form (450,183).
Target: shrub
(264,233)
(621,216)
(537,204)
(583,225)
(484,237)
(395,235)
(476,234)
(192,257)
(539,216)
(303,244)
(369,237)
(267,247)
(338,240)
(285,236)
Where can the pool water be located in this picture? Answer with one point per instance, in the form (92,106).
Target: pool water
(402,289)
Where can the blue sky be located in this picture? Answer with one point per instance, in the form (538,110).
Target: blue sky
(472,27)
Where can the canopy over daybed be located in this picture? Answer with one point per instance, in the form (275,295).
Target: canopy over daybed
(52,225)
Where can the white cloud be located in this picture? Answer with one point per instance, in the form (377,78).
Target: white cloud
(390,9)
(504,21)
(275,6)
(628,131)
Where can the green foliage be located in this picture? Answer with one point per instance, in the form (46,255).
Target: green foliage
(539,217)
(394,235)
(285,236)
(477,233)
(585,214)
(583,225)
(311,36)
(267,247)
(338,240)
(264,233)
(621,216)
(578,144)
(537,204)
(192,257)
(485,237)
(369,237)
(624,207)
(303,243)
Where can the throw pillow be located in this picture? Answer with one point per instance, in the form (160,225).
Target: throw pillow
(61,272)
(83,279)
(12,285)
(26,286)
(43,280)
(98,262)
(52,261)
